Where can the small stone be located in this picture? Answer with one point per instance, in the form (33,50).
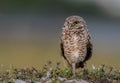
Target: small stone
(62,79)
(19,81)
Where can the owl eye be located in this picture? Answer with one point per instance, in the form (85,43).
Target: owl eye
(76,22)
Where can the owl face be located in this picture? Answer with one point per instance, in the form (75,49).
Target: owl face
(74,22)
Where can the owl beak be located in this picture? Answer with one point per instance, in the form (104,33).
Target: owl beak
(80,26)
(69,26)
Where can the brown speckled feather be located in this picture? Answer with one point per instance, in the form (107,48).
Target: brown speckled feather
(76,46)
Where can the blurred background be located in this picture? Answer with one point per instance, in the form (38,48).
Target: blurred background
(30,30)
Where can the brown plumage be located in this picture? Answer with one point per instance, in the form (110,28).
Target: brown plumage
(75,44)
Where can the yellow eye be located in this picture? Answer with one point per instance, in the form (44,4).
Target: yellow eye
(76,22)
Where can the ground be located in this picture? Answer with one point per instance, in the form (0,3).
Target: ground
(54,73)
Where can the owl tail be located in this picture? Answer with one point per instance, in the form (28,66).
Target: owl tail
(80,64)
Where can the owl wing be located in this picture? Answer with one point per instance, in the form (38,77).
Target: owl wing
(87,57)
(89,51)
(62,50)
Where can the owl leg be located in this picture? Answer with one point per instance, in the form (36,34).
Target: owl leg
(73,69)
(85,65)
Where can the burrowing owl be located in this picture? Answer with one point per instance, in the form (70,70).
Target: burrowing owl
(76,46)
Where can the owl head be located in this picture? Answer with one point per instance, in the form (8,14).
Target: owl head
(74,22)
